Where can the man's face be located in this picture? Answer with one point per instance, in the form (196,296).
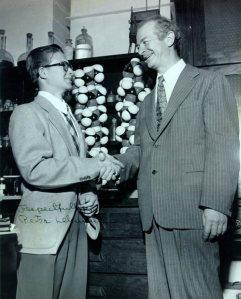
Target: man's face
(153,50)
(57,77)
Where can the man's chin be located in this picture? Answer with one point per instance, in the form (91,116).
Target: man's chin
(69,86)
(149,60)
(149,64)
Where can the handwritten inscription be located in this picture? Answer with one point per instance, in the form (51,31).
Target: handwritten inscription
(36,219)
(56,206)
(38,212)
(33,220)
(64,219)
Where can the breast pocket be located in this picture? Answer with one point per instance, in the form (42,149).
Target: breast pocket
(190,105)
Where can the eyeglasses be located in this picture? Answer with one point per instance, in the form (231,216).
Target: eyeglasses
(65,64)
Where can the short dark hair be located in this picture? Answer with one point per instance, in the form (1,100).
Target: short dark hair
(163,26)
(39,57)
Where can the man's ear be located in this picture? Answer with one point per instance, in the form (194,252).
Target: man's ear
(42,72)
(170,39)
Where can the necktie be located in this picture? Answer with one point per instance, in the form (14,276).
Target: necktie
(72,129)
(161,103)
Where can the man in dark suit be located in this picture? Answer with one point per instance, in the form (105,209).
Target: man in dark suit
(50,153)
(186,150)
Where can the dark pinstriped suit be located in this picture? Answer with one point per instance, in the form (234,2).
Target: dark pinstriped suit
(192,162)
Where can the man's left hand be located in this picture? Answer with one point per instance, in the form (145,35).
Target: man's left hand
(88,204)
(214,224)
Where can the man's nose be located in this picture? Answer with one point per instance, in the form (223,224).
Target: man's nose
(140,49)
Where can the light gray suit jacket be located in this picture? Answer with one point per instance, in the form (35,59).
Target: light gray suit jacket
(48,162)
(193,161)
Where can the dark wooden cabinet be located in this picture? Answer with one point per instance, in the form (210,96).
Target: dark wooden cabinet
(211,30)
(118,263)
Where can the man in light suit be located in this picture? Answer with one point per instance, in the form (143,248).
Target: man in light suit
(186,150)
(58,199)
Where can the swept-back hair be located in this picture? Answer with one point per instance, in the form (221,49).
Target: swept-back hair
(39,57)
(163,26)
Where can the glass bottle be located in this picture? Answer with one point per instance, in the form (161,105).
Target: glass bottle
(110,103)
(83,45)
(113,119)
(50,37)
(112,129)
(29,47)
(6,59)
(68,49)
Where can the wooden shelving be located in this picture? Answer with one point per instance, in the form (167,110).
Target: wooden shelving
(11,197)
(14,231)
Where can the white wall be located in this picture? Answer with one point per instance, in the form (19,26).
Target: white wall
(61,22)
(107,21)
(19,17)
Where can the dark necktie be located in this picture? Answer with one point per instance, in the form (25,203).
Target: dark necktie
(72,129)
(161,103)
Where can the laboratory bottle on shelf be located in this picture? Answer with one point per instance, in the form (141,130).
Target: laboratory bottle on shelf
(83,45)
(68,49)
(50,37)
(110,102)
(6,59)
(113,119)
(29,47)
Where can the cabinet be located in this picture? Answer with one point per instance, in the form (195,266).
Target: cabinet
(117,264)
(9,98)
(211,30)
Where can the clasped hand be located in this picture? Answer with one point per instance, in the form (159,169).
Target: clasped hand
(109,168)
(88,204)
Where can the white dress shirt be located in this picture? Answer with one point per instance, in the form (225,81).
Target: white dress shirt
(170,78)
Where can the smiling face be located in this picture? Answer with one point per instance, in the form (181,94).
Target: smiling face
(153,49)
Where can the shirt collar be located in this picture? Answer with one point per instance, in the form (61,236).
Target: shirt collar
(172,74)
(58,103)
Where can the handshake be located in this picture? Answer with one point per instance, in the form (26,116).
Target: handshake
(109,168)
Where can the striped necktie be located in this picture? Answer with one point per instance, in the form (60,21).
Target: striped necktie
(161,103)
(72,129)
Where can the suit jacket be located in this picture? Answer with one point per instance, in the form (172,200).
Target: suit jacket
(48,162)
(193,160)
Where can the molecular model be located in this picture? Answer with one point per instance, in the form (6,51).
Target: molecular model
(132,92)
(90,109)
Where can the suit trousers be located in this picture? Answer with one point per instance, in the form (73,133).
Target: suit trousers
(180,265)
(59,276)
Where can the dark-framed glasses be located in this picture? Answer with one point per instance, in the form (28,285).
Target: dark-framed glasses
(65,64)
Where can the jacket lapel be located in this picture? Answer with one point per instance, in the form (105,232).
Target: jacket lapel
(81,141)
(184,85)
(150,114)
(57,120)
